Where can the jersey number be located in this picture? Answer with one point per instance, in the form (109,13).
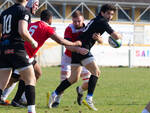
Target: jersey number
(32,29)
(7,24)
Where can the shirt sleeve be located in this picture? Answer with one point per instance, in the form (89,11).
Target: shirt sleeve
(107,27)
(25,15)
(68,34)
(50,31)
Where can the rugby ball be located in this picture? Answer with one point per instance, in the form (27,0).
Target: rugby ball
(114,43)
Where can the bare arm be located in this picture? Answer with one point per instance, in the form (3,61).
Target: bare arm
(80,50)
(65,42)
(116,35)
(72,48)
(23,31)
(0,31)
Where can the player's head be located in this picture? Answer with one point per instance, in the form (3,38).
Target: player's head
(107,11)
(77,19)
(21,1)
(46,16)
(32,5)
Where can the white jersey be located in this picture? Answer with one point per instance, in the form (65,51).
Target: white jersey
(66,67)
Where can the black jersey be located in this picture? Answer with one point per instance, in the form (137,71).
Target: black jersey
(9,20)
(96,25)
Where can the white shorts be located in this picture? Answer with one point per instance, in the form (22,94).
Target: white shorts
(66,66)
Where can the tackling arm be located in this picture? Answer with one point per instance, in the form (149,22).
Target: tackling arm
(65,42)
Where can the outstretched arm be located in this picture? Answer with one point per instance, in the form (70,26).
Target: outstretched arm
(65,42)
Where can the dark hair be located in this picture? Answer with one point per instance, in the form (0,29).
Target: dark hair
(77,13)
(46,15)
(107,7)
(19,1)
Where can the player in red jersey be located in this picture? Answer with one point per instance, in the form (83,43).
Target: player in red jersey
(40,31)
(71,34)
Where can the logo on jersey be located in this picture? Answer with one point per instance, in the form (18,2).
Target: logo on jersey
(26,17)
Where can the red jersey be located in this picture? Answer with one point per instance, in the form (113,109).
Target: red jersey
(71,34)
(40,31)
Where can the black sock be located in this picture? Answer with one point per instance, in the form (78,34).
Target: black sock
(63,85)
(30,94)
(1,91)
(20,90)
(92,84)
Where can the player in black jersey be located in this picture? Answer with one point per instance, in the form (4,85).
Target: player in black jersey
(96,25)
(13,31)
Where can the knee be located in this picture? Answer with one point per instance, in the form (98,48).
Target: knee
(64,75)
(97,73)
(30,80)
(72,80)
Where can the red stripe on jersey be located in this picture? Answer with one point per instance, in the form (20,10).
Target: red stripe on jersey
(85,79)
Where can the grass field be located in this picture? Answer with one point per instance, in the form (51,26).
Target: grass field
(119,90)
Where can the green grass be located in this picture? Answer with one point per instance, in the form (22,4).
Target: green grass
(119,90)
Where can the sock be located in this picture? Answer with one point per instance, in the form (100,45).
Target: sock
(89,97)
(7,91)
(30,94)
(1,91)
(91,85)
(21,89)
(63,85)
(58,98)
(24,97)
(31,109)
(80,90)
(145,111)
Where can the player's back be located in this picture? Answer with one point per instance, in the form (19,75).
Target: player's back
(9,20)
(40,31)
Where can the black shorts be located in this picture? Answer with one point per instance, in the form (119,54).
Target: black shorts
(78,58)
(17,75)
(11,58)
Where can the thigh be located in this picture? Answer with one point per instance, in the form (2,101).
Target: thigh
(5,77)
(93,68)
(37,70)
(28,75)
